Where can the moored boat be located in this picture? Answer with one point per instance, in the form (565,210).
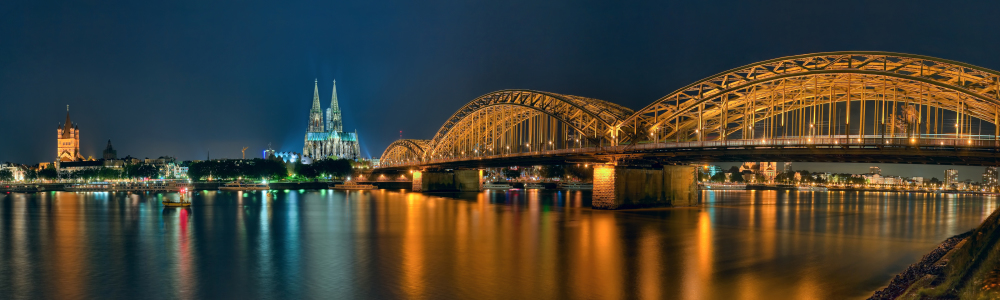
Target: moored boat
(182,202)
(20,188)
(89,187)
(497,186)
(723,186)
(813,188)
(534,186)
(242,186)
(576,186)
(351,185)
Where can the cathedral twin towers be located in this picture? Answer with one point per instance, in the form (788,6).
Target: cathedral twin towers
(328,139)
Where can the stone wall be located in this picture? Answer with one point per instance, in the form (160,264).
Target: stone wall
(468,180)
(623,187)
(682,185)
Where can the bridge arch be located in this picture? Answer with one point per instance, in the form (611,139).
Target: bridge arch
(404,151)
(514,121)
(819,94)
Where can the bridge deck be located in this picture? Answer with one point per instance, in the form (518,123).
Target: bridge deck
(813,149)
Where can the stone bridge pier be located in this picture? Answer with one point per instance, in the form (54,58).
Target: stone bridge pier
(448,181)
(619,187)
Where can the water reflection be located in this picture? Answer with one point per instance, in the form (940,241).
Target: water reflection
(506,244)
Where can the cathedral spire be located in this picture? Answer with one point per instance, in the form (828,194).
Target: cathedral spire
(315,107)
(334,120)
(333,103)
(316,114)
(67,117)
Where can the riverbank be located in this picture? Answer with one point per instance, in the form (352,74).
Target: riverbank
(969,270)
(929,265)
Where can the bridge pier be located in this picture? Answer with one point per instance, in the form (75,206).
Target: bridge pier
(448,181)
(617,187)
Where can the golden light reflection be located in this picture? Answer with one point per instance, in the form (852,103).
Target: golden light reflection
(68,241)
(413,249)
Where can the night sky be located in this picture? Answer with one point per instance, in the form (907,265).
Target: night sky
(182,79)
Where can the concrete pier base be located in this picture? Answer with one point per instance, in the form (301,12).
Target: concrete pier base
(448,181)
(617,187)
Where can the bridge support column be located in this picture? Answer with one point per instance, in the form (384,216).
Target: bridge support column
(469,180)
(617,187)
(447,181)
(418,181)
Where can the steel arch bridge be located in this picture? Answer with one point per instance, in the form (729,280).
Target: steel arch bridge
(838,106)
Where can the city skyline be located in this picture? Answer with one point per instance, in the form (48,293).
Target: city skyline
(155,94)
(499,149)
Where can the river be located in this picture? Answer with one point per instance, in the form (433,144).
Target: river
(389,244)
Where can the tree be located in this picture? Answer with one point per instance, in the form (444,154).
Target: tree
(48,173)
(30,174)
(552,171)
(583,172)
(508,173)
(6,175)
(719,177)
(703,176)
(736,176)
(140,171)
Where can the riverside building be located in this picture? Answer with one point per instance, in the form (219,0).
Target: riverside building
(68,141)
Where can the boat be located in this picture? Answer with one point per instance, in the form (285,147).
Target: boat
(496,186)
(724,186)
(351,185)
(182,202)
(576,186)
(146,186)
(89,187)
(241,186)
(534,186)
(20,188)
(813,188)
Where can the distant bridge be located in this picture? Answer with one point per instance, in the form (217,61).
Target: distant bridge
(824,107)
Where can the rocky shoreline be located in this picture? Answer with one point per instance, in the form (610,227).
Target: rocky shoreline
(927,265)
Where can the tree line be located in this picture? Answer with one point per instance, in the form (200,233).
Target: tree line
(268,169)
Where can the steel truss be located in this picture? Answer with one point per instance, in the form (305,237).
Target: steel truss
(839,95)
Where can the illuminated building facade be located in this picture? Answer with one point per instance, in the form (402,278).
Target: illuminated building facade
(950,177)
(990,178)
(68,137)
(327,139)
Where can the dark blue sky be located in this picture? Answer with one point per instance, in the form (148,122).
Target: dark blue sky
(185,78)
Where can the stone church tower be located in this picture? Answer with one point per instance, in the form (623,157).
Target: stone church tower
(68,135)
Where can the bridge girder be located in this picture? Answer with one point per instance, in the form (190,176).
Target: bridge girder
(404,151)
(740,97)
(804,96)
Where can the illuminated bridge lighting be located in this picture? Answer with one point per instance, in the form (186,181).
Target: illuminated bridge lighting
(806,100)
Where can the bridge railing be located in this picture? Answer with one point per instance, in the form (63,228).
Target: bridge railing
(973,142)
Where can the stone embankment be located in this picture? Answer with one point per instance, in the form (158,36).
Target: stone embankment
(927,265)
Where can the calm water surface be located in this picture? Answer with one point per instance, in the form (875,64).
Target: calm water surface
(491,245)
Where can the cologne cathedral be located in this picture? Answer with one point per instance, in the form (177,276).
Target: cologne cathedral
(328,139)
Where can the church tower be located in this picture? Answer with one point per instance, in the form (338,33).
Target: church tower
(334,123)
(316,114)
(68,137)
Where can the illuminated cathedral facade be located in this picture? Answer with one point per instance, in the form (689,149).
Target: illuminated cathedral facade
(328,139)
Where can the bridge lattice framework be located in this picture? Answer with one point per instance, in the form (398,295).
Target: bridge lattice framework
(839,98)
